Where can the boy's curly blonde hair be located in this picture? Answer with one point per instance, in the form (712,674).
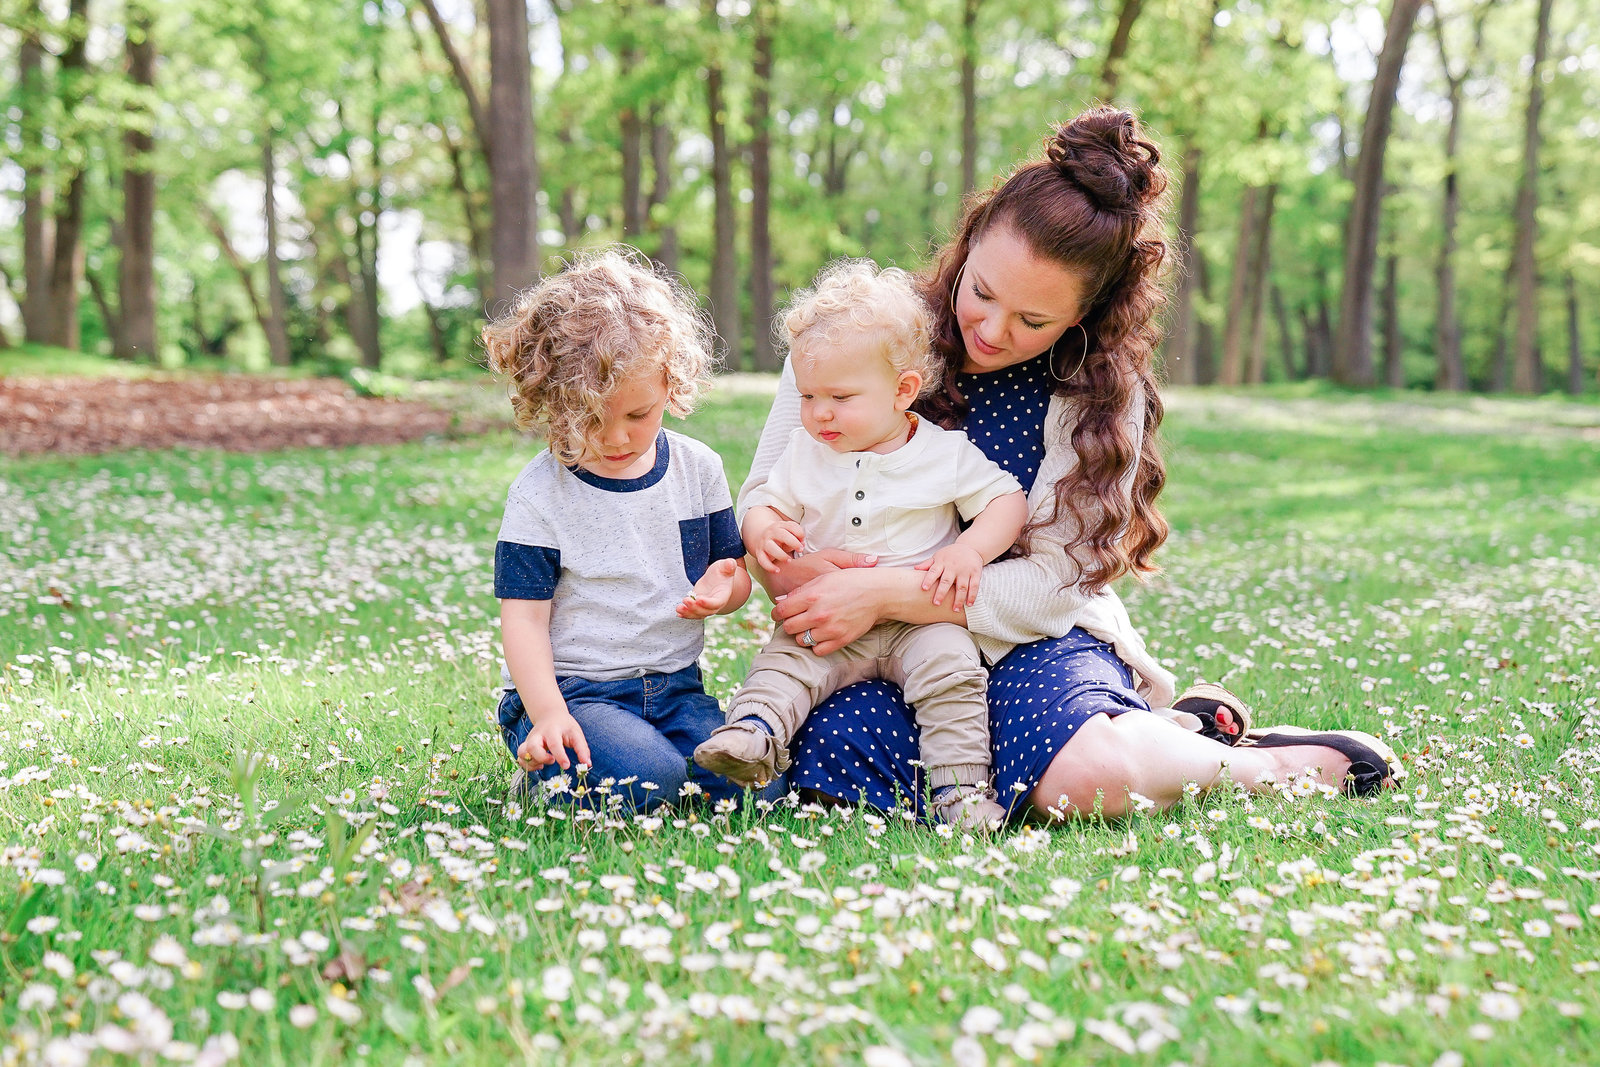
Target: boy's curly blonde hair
(855,298)
(568,342)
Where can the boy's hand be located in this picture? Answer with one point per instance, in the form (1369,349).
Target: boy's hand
(549,740)
(778,544)
(955,566)
(712,592)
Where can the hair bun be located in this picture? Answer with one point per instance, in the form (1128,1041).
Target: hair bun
(1103,152)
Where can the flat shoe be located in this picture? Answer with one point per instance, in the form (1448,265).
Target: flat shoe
(1223,716)
(1372,762)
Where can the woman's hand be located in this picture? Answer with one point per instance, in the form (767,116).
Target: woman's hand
(837,607)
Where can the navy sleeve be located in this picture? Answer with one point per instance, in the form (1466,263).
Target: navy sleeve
(725,540)
(525,572)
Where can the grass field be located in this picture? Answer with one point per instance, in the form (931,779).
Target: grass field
(252,808)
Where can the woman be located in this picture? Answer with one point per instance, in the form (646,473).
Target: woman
(1046,302)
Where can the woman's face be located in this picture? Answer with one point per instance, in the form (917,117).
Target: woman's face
(1012,305)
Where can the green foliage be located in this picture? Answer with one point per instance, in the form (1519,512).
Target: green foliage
(372,130)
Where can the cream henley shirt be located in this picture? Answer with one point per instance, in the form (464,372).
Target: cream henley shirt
(1022,599)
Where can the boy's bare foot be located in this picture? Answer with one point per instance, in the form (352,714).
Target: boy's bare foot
(744,753)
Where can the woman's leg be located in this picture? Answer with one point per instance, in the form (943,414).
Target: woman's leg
(860,746)
(1109,758)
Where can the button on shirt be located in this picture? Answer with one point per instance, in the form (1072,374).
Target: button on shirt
(902,506)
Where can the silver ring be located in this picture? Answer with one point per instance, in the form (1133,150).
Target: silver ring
(807,640)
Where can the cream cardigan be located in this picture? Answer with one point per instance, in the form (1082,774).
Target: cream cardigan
(1027,598)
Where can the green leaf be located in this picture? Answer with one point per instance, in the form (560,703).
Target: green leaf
(404,1024)
(26,909)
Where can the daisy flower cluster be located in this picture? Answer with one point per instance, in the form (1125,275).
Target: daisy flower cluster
(254,807)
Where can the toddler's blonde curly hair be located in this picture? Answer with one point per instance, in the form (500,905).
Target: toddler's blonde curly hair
(568,342)
(856,298)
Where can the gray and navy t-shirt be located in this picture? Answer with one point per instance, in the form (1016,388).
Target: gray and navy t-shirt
(616,556)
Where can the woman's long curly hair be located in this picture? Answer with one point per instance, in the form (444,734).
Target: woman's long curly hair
(570,341)
(1096,205)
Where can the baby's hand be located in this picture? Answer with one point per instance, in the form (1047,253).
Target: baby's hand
(711,593)
(778,544)
(548,741)
(955,566)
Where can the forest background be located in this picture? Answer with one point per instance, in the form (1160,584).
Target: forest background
(1395,193)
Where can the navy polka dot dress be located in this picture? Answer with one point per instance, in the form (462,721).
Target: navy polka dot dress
(860,745)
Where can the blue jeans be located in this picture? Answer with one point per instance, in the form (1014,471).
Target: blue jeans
(641,733)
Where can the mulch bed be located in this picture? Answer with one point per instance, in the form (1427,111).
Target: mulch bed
(240,413)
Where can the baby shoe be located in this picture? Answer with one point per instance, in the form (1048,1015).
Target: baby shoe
(969,807)
(743,752)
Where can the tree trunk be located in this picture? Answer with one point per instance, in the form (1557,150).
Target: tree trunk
(277,319)
(136,278)
(761,287)
(836,159)
(1109,73)
(1205,348)
(1308,337)
(1574,345)
(67,255)
(513,165)
(1280,312)
(37,248)
(369,228)
(338,266)
(1180,352)
(969,96)
(367,265)
(1322,330)
(108,315)
(436,335)
(724,253)
(1260,271)
(1499,363)
(633,206)
(1394,371)
(1527,373)
(1352,353)
(1451,373)
(1232,370)
(572,227)
(661,191)
(1180,345)
(66,268)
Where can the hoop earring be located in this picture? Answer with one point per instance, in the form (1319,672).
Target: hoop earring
(1081,359)
(956,285)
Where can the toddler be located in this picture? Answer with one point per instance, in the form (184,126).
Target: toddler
(865,474)
(606,527)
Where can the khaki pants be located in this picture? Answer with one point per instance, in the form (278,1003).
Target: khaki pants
(937,667)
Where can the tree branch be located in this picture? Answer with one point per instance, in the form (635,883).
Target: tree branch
(463,78)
